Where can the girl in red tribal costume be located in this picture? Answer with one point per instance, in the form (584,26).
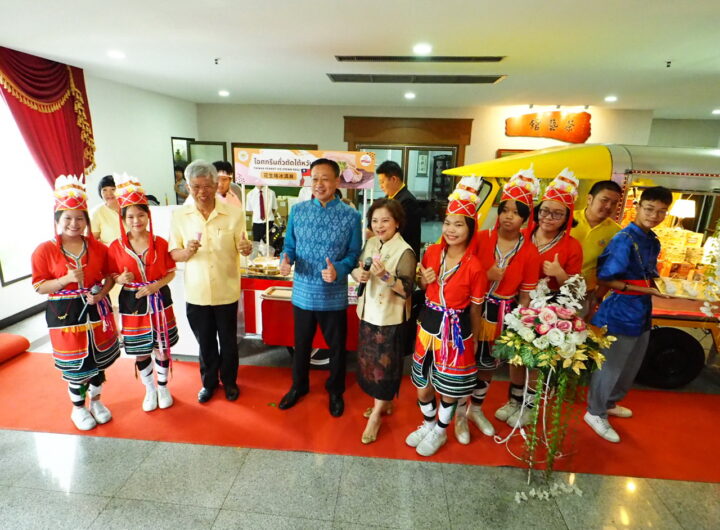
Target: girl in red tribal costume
(73,270)
(141,263)
(444,358)
(511,262)
(560,257)
(560,254)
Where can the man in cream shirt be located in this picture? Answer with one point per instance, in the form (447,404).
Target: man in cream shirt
(208,235)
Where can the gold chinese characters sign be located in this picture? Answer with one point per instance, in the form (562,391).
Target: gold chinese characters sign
(572,127)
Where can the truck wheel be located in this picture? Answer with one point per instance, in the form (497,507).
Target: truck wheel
(674,358)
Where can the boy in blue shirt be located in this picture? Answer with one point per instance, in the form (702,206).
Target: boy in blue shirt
(627,266)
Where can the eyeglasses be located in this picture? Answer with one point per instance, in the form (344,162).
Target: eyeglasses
(556,215)
(652,212)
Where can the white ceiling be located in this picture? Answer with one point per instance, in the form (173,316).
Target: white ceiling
(561,52)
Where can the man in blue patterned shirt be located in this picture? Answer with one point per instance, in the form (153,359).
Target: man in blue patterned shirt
(628,266)
(323,240)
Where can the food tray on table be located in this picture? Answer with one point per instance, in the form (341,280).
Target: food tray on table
(686,289)
(264,266)
(277,293)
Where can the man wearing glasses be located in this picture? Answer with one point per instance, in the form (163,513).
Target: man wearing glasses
(627,266)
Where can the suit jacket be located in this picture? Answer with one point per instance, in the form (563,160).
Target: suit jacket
(411,230)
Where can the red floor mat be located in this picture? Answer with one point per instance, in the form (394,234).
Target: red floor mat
(669,437)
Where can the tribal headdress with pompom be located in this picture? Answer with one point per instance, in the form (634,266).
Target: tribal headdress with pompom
(522,187)
(70,193)
(564,189)
(462,201)
(130,192)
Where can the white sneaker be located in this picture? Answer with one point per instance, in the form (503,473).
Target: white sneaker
(82,419)
(507,410)
(434,440)
(620,412)
(150,402)
(602,427)
(478,418)
(164,398)
(415,437)
(100,412)
(462,431)
(520,419)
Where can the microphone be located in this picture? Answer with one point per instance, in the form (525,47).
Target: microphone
(366,267)
(95,289)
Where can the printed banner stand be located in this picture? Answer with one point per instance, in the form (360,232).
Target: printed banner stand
(291,168)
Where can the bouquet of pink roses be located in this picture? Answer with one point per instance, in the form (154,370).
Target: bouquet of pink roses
(549,335)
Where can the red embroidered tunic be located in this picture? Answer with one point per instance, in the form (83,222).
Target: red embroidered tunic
(144,320)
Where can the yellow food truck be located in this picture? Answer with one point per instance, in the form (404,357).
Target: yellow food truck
(683,338)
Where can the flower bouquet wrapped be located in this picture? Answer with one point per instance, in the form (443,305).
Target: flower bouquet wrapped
(549,337)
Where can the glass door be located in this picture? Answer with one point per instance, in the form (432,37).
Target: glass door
(424,172)
(383,153)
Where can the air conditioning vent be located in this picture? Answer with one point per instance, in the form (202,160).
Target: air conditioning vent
(417,79)
(419,59)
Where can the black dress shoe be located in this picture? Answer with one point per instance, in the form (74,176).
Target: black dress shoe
(232,393)
(337,405)
(205,394)
(290,399)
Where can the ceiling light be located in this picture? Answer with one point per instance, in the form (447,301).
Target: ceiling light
(116,54)
(611,99)
(422,48)
(223,93)
(716,111)
(409,95)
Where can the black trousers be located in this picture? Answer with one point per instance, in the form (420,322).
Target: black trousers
(333,325)
(259,231)
(212,324)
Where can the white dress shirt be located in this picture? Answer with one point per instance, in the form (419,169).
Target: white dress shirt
(253,204)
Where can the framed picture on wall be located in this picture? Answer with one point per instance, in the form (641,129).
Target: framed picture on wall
(208,151)
(502,153)
(422,165)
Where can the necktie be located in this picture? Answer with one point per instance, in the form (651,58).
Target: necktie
(262,205)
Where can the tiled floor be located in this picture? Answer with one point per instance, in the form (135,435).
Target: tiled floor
(67,481)
(62,481)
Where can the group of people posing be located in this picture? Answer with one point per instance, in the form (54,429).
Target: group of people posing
(470,279)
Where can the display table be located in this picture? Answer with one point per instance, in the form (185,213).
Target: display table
(252,289)
(273,319)
(674,357)
(278,325)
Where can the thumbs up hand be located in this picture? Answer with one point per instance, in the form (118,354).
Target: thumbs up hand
(244,246)
(428,275)
(329,274)
(73,275)
(285,266)
(553,268)
(378,267)
(495,273)
(125,277)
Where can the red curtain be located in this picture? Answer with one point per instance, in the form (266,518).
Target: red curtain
(49,104)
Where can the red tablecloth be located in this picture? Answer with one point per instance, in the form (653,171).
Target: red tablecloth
(278,326)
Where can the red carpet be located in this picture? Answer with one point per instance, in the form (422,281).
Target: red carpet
(651,447)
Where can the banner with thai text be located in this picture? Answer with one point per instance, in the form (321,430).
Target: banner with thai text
(289,167)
